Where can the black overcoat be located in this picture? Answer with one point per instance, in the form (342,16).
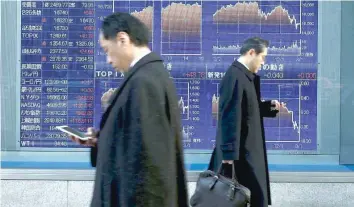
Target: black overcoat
(138,158)
(240,133)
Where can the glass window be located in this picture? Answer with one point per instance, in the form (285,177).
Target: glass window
(54,73)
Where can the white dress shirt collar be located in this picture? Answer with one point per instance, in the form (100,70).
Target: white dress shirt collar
(138,58)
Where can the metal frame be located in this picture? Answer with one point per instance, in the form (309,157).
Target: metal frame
(323,146)
(192,176)
(325,149)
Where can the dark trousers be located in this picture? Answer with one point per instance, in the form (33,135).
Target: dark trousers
(246,177)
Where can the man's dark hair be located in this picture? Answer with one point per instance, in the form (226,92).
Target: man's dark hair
(255,43)
(124,22)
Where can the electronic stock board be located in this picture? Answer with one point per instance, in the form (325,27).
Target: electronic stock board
(65,77)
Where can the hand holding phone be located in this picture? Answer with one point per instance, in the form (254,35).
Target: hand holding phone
(92,141)
(73,132)
(87,139)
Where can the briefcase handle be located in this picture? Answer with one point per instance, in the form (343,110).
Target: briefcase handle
(234,178)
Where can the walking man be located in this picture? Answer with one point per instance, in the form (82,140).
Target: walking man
(240,135)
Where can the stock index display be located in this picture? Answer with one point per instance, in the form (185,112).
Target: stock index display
(65,77)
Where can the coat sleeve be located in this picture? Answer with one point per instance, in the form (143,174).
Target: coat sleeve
(93,153)
(147,145)
(93,156)
(266,109)
(230,117)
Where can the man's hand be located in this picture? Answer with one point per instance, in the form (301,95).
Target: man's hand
(228,162)
(277,104)
(90,142)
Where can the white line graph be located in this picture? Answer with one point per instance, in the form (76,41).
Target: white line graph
(279,48)
(185,134)
(181,27)
(286,126)
(215,104)
(183,100)
(259,16)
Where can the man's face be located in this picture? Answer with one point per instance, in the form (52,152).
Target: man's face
(257,60)
(118,51)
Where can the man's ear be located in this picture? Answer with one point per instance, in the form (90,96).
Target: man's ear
(122,38)
(252,52)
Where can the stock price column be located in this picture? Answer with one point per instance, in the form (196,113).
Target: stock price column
(189,82)
(55,60)
(31,74)
(66,63)
(81,75)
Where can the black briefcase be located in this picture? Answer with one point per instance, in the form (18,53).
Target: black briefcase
(216,190)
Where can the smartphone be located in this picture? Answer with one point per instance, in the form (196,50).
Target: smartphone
(73,132)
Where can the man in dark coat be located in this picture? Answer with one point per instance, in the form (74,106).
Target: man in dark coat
(240,135)
(137,151)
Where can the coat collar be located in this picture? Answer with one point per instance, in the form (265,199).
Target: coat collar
(151,57)
(241,67)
